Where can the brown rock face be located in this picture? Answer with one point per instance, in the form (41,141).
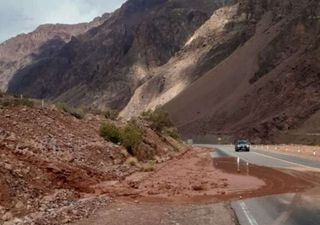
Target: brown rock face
(267,88)
(103,67)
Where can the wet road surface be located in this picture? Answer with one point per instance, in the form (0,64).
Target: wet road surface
(265,158)
(284,209)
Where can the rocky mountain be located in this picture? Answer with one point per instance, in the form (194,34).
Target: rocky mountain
(222,68)
(268,88)
(18,52)
(103,67)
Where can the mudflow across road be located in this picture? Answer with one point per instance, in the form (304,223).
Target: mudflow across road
(207,186)
(301,208)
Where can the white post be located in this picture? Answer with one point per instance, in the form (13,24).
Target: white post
(247,168)
(238,164)
(42,103)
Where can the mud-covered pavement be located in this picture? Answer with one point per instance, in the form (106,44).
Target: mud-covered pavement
(191,189)
(195,177)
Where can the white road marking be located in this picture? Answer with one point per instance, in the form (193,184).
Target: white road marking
(267,156)
(247,213)
(296,164)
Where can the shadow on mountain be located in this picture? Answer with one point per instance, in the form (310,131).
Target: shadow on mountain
(28,75)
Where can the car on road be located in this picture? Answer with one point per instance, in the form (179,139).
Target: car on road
(242,145)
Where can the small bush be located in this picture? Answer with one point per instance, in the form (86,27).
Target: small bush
(110,133)
(172,132)
(133,161)
(148,167)
(131,137)
(161,122)
(110,114)
(77,113)
(159,119)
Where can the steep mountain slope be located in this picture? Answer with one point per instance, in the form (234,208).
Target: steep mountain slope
(20,51)
(214,41)
(104,67)
(266,88)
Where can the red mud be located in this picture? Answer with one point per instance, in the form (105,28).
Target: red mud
(197,178)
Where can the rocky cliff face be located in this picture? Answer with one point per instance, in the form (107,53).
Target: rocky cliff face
(104,67)
(18,52)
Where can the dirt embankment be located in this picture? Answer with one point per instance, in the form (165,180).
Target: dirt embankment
(49,160)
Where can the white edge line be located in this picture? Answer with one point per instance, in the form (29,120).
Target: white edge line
(247,213)
(267,156)
(296,164)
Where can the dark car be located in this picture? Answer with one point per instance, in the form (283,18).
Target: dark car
(242,145)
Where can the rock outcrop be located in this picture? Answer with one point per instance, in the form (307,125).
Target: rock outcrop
(22,50)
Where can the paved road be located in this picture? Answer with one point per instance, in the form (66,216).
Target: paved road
(288,209)
(265,158)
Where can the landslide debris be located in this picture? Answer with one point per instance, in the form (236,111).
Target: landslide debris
(49,159)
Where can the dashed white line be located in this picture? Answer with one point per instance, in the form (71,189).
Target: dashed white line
(247,213)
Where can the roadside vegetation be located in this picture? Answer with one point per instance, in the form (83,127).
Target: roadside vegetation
(160,122)
(76,112)
(110,114)
(8,101)
(130,136)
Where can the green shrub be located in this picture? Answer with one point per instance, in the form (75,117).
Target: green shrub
(172,132)
(131,137)
(76,112)
(110,114)
(159,119)
(110,133)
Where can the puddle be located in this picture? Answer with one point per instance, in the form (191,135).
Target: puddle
(276,181)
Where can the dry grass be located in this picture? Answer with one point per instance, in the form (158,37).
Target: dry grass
(148,167)
(133,161)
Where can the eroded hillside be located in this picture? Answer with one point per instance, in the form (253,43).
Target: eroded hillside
(51,160)
(266,88)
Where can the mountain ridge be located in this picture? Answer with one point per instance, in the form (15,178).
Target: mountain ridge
(242,68)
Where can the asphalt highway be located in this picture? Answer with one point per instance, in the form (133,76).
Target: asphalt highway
(285,209)
(265,158)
